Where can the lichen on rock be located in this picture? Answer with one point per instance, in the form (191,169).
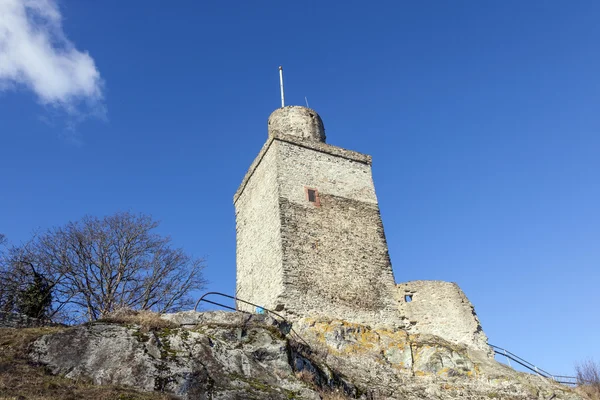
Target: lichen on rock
(223,355)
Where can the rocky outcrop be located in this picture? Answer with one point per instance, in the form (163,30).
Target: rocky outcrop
(226,356)
(219,355)
(393,364)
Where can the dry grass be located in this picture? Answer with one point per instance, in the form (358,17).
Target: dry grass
(306,376)
(588,392)
(588,379)
(333,395)
(146,319)
(22,380)
(326,393)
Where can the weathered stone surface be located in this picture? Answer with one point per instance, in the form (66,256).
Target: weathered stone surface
(442,309)
(392,364)
(218,318)
(303,257)
(227,356)
(301,122)
(258,235)
(242,356)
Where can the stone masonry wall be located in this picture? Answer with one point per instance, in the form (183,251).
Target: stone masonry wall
(259,275)
(335,256)
(299,258)
(15,320)
(332,174)
(442,309)
(328,256)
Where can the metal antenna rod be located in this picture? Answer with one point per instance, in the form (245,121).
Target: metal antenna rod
(281,85)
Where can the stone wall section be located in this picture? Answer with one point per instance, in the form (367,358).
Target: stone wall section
(442,309)
(16,320)
(259,274)
(275,137)
(330,173)
(335,255)
(300,258)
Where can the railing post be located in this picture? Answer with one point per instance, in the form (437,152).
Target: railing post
(507,359)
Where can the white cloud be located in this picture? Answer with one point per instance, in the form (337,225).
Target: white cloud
(35,53)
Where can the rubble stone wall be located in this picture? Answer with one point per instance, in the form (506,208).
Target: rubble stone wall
(15,320)
(335,255)
(442,309)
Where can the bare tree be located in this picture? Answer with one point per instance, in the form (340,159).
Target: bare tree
(588,378)
(8,290)
(95,266)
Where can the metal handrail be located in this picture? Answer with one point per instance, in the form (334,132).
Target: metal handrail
(565,380)
(202,298)
(236,299)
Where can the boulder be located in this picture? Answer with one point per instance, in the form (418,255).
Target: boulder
(234,355)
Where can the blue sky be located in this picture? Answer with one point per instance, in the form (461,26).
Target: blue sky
(481,117)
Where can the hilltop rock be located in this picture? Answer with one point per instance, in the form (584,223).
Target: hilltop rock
(229,356)
(220,355)
(392,364)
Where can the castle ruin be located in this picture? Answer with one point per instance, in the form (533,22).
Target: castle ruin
(310,240)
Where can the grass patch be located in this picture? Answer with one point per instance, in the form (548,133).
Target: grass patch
(146,319)
(588,379)
(21,379)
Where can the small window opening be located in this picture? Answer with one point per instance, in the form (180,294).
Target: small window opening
(408,298)
(312,195)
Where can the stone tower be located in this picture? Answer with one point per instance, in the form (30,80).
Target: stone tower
(309,237)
